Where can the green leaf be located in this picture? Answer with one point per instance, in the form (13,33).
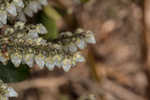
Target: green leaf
(50,25)
(84,1)
(49,17)
(8,73)
(52,13)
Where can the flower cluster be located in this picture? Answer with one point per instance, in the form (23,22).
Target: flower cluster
(6,92)
(33,6)
(10,9)
(21,43)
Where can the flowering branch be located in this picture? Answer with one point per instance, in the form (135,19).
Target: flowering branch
(21,41)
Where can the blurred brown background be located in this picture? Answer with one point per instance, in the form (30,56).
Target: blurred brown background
(117,67)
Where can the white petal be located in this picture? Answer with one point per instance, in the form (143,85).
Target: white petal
(39,6)
(80,43)
(40,60)
(28,11)
(33,34)
(90,38)
(72,47)
(3,17)
(19,3)
(11,92)
(67,68)
(16,59)
(73,63)
(33,5)
(39,41)
(29,59)
(41,29)
(12,9)
(43,2)
(57,59)
(3,59)
(49,63)
(66,64)
(78,57)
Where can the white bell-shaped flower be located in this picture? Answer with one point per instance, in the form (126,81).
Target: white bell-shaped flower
(28,11)
(72,47)
(16,59)
(57,59)
(78,57)
(40,60)
(34,6)
(43,2)
(41,29)
(3,59)
(28,59)
(19,3)
(50,64)
(81,44)
(11,92)
(66,64)
(11,9)
(33,34)
(3,17)
(90,38)
(6,91)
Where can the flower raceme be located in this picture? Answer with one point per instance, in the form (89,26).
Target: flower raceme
(21,43)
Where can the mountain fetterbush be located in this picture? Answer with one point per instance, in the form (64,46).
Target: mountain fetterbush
(21,41)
